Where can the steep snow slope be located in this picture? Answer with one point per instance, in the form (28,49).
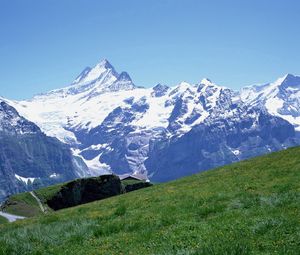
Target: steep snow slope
(280,98)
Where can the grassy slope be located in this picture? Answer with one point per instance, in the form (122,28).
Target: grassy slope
(24,204)
(45,194)
(251,207)
(3,220)
(130,182)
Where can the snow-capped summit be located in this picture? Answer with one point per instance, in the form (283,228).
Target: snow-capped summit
(82,75)
(123,82)
(291,81)
(89,75)
(124,76)
(258,93)
(206,81)
(100,79)
(102,73)
(207,84)
(182,88)
(105,63)
(280,98)
(160,90)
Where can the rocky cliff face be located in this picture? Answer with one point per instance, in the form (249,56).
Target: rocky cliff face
(83,191)
(28,158)
(218,142)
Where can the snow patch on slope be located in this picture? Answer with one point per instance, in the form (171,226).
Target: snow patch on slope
(25,180)
(280,98)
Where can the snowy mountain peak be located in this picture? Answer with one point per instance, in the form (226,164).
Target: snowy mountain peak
(98,72)
(122,82)
(288,80)
(159,86)
(255,92)
(102,78)
(82,75)
(279,98)
(181,88)
(159,90)
(291,80)
(105,64)
(184,86)
(124,76)
(208,85)
(206,81)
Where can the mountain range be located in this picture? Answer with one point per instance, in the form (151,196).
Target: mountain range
(109,124)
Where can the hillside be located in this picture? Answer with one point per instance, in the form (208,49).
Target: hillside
(250,207)
(3,220)
(26,204)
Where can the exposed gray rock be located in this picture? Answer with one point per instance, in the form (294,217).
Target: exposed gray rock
(28,158)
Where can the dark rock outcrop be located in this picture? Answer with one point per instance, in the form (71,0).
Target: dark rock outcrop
(136,186)
(83,191)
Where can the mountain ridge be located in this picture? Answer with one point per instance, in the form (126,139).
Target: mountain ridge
(115,126)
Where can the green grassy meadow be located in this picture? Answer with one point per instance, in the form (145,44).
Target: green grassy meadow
(3,220)
(23,204)
(250,207)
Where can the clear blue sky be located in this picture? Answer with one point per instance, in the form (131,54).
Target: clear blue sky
(45,44)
